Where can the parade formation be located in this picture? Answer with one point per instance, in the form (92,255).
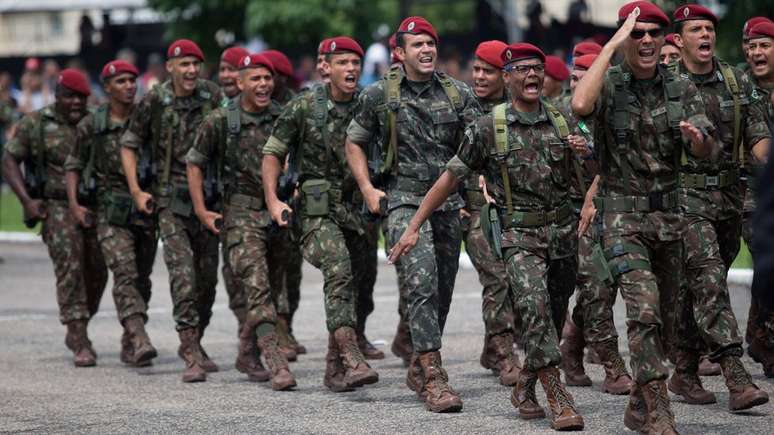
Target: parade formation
(631,171)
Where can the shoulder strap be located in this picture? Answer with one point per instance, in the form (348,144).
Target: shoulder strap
(673,91)
(392,97)
(232,130)
(621,130)
(501,145)
(321,120)
(563,130)
(452,93)
(100,120)
(729,78)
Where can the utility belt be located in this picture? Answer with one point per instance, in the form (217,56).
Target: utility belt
(607,265)
(177,198)
(655,201)
(118,207)
(720,180)
(255,203)
(535,218)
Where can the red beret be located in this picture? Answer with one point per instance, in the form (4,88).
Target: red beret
(521,50)
(752,22)
(233,55)
(321,45)
(184,47)
(339,44)
(648,13)
(75,81)
(584,62)
(255,61)
(117,67)
(393,42)
(280,62)
(556,68)
(762,30)
(694,12)
(586,47)
(670,39)
(490,51)
(417,25)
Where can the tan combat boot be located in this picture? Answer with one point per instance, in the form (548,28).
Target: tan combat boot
(190,352)
(248,360)
(281,378)
(143,350)
(414,378)
(126,348)
(572,355)
(207,364)
(685,380)
(438,395)
(634,416)
(401,344)
(358,373)
(488,358)
(335,372)
(659,419)
(367,348)
(77,340)
(523,396)
(560,401)
(284,342)
(617,379)
(507,366)
(743,394)
(707,367)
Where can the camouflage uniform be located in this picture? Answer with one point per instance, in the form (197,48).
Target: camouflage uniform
(169,124)
(127,237)
(246,219)
(540,257)
(641,228)
(429,127)
(328,236)
(713,215)
(79,267)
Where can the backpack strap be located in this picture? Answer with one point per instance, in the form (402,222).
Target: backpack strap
(729,78)
(501,145)
(392,96)
(100,119)
(674,108)
(320,120)
(563,130)
(452,93)
(621,130)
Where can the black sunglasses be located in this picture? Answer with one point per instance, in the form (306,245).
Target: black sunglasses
(654,33)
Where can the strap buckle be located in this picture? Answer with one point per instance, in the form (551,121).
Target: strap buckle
(656,201)
(712,180)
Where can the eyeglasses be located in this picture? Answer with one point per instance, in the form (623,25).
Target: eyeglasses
(539,68)
(639,34)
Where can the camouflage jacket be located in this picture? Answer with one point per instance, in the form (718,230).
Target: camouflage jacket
(284,97)
(585,129)
(46,137)
(538,171)
(239,154)
(429,130)
(726,203)
(162,119)
(649,162)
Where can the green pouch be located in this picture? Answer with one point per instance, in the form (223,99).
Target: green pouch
(492,228)
(316,198)
(118,209)
(601,269)
(181,202)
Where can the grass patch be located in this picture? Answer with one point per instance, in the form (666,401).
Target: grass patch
(11,213)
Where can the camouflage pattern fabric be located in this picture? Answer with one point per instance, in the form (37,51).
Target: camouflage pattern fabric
(541,261)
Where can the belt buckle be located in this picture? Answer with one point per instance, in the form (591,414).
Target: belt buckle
(712,180)
(656,201)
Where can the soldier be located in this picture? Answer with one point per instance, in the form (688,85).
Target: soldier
(167,118)
(748,25)
(555,77)
(642,113)
(496,306)
(421,114)
(670,52)
(43,140)
(231,138)
(311,130)
(711,196)
(760,325)
(228,71)
(127,238)
(583,48)
(537,241)
(285,82)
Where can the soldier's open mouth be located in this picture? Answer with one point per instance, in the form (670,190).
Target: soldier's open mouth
(531,88)
(705,48)
(426,59)
(647,52)
(350,78)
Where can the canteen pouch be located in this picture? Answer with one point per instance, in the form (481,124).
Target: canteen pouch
(601,269)
(492,228)
(181,202)
(118,209)
(316,197)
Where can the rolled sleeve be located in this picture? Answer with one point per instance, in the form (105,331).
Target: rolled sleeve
(458,168)
(357,134)
(73,163)
(195,157)
(275,147)
(130,140)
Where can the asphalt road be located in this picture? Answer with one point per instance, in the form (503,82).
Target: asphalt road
(41,391)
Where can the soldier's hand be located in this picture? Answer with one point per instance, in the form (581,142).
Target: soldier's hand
(35,209)
(143,202)
(406,243)
(579,145)
(625,30)
(82,215)
(280,213)
(691,133)
(464,214)
(209,219)
(372,198)
(586,217)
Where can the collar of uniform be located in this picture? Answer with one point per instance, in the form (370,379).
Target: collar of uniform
(113,124)
(436,78)
(332,104)
(248,118)
(512,115)
(626,70)
(51,113)
(713,76)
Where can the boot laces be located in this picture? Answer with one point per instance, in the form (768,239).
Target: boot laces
(664,414)
(529,387)
(563,397)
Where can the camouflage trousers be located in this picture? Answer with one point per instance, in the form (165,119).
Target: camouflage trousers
(129,252)
(328,247)
(250,259)
(285,272)
(364,268)
(496,306)
(651,296)
(237,302)
(427,272)
(541,290)
(191,256)
(706,320)
(593,312)
(79,267)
